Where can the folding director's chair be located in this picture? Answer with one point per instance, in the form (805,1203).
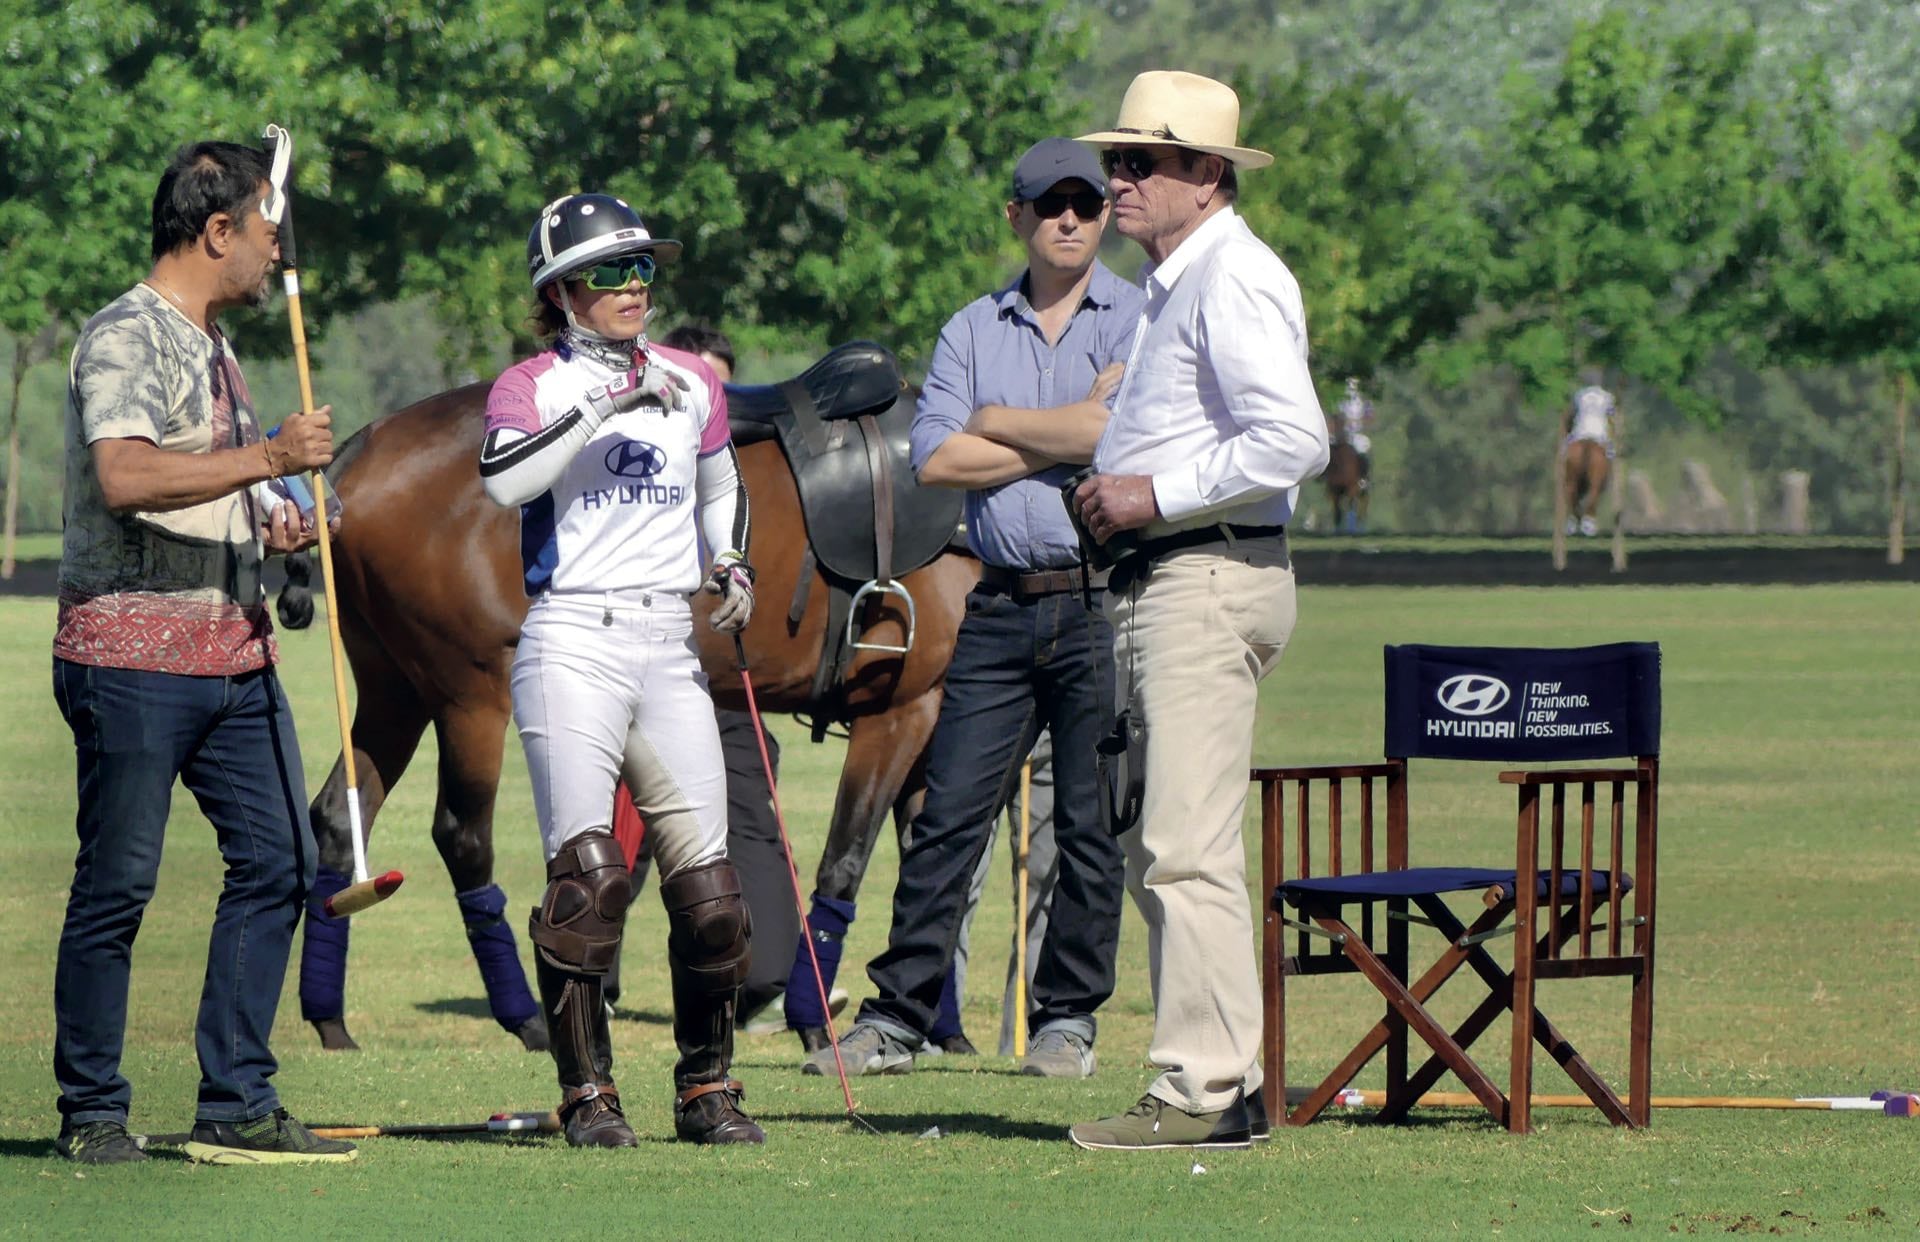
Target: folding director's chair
(1517,705)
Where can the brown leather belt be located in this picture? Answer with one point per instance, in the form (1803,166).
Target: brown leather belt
(1031,584)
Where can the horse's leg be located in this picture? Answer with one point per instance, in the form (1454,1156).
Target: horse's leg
(1570,487)
(472,738)
(882,751)
(387,726)
(1598,470)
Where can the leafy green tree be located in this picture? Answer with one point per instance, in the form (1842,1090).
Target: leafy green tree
(1622,203)
(833,168)
(1380,234)
(1845,287)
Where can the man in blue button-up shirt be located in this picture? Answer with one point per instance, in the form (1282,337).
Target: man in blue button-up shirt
(1014,401)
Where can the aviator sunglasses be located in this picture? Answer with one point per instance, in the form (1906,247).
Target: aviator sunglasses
(1086,204)
(1137,162)
(618,273)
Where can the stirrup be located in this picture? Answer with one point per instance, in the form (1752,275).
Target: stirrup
(877,587)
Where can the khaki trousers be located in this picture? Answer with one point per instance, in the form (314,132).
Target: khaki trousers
(1192,643)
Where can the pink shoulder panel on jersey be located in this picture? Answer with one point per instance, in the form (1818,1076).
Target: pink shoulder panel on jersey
(511,402)
(716,434)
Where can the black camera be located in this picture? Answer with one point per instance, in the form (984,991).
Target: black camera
(1098,555)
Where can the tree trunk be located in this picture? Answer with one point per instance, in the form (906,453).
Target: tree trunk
(1897,526)
(1618,475)
(20,355)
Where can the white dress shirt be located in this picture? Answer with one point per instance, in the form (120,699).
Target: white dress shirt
(1217,404)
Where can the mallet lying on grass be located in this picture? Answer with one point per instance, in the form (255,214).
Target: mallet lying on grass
(1887,1103)
(499,1123)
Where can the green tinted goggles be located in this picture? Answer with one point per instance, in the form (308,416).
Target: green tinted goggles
(621,272)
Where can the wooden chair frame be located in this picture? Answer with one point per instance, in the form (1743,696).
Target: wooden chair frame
(1554,935)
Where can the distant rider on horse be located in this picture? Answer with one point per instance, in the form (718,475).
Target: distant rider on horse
(1356,416)
(1592,418)
(618,455)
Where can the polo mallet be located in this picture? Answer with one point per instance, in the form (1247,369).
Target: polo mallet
(793,874)
(1886,1103)
(1020,912)
(278,208)
(499,1123)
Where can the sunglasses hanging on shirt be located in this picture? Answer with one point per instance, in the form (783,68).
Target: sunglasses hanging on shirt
(619,273)
(1087,204)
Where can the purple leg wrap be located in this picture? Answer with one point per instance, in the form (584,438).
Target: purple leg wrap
(323,955)
(946,1023)
(827,924)
(482,909)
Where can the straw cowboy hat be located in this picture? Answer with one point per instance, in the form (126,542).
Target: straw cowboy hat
(1168,108)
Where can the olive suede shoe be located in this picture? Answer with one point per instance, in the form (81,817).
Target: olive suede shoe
(1154,1125)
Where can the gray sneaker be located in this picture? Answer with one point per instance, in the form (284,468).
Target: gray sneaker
(277,1138)
(866,1049)
(1058,1054)
(1153,1124)
(100,1142)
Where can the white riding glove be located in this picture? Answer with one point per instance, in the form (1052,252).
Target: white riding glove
(646,385)
(731,578)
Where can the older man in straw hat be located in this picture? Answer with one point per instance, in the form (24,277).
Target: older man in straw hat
(1214,428)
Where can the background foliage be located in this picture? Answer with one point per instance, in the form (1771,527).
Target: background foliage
(1714,204)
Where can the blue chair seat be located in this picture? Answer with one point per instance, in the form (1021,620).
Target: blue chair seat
(1337,890)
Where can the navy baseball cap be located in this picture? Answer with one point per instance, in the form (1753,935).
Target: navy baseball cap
(1049,162)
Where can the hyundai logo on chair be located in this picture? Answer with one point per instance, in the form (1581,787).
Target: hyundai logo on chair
(1474,694)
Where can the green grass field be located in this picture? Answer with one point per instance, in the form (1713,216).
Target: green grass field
(1787,968)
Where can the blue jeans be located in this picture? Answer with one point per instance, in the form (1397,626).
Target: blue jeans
(1017,666)
(230,741)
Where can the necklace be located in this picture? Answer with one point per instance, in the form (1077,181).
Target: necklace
(167,289)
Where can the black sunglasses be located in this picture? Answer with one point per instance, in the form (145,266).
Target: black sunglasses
(1137,163)
(1087,204)
(619,273)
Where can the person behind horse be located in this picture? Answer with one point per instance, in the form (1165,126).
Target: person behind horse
(753,834)
(163,665)
(1016,392)
(1593,418)
(1216,426)
(619,458)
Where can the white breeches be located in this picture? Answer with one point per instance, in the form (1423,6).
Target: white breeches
(607,687)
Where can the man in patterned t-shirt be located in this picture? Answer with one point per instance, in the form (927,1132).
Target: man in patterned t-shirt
(163,665)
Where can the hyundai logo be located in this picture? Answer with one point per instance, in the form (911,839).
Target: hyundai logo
(636,459)
(1473,694)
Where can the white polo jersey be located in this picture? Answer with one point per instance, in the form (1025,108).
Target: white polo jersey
(1592,408)
(622,514)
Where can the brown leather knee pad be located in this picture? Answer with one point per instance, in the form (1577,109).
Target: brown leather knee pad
(708,926)
(577,927)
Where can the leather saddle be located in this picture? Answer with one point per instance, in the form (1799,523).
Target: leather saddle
(843,425)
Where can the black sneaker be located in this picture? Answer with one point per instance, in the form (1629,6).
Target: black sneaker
(99,1142)
(273,1139)
(1258,1126)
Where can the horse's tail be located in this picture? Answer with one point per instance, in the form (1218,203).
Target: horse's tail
(295,604)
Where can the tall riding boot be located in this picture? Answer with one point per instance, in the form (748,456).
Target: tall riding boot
(583,1055)
(707,1106)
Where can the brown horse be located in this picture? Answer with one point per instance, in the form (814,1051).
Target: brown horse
(1583,479)
(431,602)
(1346,483)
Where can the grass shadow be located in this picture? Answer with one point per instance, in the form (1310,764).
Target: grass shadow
(985,1125)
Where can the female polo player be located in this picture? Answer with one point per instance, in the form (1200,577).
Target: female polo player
(618,455)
